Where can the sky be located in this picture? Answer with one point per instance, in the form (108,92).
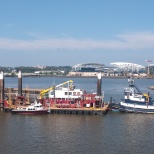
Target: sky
(70,32)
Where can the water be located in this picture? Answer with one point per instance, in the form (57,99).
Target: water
(112,133)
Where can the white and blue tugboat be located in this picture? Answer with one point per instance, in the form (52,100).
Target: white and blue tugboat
(135,101)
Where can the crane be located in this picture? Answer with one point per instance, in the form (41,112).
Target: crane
(43,92)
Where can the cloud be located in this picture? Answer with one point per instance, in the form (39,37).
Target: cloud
(142,40)
(137,41)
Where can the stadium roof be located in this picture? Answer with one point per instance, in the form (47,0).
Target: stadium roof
(87,65)
(127,66)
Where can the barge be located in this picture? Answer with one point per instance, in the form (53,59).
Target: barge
(62,98)
(66,98)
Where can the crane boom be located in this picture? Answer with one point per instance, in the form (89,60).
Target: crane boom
(53,87)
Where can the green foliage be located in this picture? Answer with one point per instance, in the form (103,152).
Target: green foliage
(13,74)
(58,70)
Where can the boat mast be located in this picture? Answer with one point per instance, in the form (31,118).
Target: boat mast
(133,85)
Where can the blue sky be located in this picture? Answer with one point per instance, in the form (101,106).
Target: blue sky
(68,32)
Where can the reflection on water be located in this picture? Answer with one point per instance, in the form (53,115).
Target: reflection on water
(63,133)
(57,133)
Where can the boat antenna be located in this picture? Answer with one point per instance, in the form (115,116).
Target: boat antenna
(140,92)
(132,84)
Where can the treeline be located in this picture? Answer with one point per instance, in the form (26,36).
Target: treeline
(27,69)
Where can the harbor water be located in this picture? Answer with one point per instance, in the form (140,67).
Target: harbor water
(112,133)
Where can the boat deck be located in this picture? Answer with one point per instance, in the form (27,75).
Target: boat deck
(92,111)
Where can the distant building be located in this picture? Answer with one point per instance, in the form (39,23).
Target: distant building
(43,72)
(40,66)
(151,67)
(82,73)
(116,69)
(88,67)
(124,66)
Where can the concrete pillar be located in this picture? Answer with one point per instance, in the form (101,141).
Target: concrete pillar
(1,85)
(99,84)
(19,83)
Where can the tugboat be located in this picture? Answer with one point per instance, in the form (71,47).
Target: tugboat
(134,100)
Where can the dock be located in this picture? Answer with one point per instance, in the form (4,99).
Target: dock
(80,111)
(83,111)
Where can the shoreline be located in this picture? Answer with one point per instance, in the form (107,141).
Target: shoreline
(60,76)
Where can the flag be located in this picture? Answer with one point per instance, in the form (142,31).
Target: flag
(148,61)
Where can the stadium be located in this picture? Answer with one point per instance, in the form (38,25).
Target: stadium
(88,67)
(115,69)
(124,66)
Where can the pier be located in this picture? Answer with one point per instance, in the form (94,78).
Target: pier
(78,111)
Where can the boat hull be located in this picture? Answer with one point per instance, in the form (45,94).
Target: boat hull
(133,108)
(29,112)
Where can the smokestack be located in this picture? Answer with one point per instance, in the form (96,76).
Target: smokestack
(19,83)
(1,85)
(99,84)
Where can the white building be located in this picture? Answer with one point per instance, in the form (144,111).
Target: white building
(127,66)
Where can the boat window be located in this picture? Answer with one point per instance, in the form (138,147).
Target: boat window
(65,93)
(78,93)
(52,93)
(71,102)
(70,93)
(147,99)
(74,93)
(126,93)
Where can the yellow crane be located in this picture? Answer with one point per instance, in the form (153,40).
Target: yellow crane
(43,92)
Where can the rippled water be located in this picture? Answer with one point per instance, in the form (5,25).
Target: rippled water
(112,133)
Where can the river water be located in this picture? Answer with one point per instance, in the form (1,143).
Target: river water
(113,133)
